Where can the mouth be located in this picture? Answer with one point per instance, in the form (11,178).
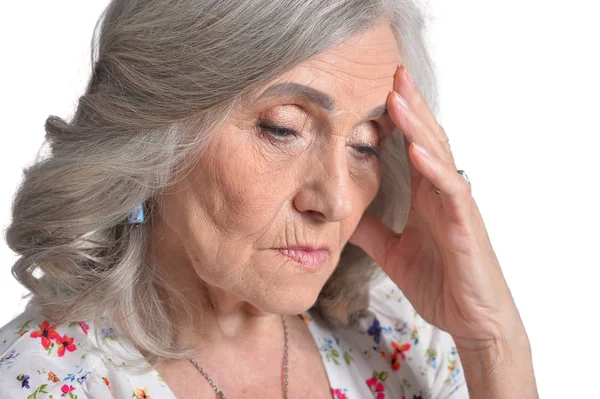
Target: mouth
(309,258)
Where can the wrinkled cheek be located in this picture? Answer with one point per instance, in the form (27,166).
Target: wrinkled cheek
(255,195)
(248,210)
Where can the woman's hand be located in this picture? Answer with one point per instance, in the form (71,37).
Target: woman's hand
(443,260)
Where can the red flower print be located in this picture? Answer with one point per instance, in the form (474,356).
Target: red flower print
(398,351)
(371,382)
(395,362)
(338,394)
(47,333)
(376,387)
(65,343)
(67,389)
(106,382)
(53,377)
(84,326)
(401,349)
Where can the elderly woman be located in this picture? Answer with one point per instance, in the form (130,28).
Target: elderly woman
(214,218)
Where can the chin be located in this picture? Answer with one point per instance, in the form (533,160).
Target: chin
(295,289)
(288,300)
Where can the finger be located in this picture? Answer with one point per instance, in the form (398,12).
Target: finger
(455,191)
(415,175)
(414,129)
(375,238)
(405,85)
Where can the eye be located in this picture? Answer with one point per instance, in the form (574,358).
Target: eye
(367,151)
(276,132)
(366,141)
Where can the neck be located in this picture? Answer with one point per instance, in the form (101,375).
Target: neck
(213,314)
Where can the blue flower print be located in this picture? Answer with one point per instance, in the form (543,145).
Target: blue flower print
(375,331)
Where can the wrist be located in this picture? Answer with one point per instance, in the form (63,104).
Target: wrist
(498,368)
(506,333)
(518,342)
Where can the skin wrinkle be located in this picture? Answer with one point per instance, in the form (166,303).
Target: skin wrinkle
(249,194)
(343,77)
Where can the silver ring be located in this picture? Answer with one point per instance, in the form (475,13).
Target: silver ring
(464,174)
(460,172)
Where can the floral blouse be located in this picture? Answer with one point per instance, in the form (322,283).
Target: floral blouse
(390,353)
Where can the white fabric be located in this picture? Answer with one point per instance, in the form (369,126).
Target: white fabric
(39,361)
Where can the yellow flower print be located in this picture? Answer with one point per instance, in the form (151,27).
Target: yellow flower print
(53,377)
(141,393)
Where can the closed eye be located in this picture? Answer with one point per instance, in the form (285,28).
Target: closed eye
(276,131)
(368,150)
(281,133)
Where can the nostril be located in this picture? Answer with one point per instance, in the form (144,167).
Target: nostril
(316,214)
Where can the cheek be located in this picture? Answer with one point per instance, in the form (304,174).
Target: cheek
(366,190)
(367,181)
(230,203)
(239,188)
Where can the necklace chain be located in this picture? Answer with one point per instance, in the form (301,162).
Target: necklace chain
(221,395)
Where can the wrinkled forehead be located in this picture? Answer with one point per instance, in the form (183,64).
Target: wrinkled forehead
(355,75)
(369,56)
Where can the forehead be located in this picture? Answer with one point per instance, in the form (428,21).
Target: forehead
(357,73)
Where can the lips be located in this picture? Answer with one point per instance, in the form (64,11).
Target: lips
(309,258)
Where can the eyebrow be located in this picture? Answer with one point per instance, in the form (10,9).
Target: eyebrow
(318,97)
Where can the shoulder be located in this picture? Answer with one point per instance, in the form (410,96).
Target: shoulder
(45,359)
(41,359)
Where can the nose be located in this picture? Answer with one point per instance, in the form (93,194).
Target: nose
(326,192)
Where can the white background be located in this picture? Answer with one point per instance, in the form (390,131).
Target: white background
(519,101)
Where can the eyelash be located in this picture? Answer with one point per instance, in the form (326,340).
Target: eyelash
(270,130)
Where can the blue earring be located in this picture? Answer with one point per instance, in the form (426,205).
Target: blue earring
(137,215)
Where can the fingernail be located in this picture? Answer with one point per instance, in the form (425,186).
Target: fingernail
(400,100)
(409,78)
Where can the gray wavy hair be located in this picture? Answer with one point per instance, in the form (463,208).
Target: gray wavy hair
(166,74)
